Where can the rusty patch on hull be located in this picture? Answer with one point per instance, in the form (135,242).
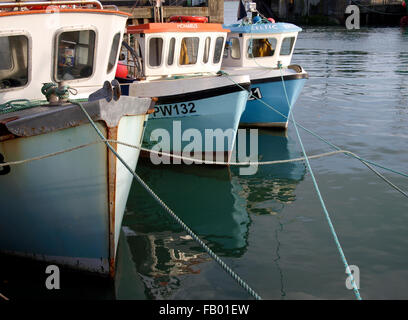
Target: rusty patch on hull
(112,163)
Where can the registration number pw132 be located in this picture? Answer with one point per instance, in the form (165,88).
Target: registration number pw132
(174,109)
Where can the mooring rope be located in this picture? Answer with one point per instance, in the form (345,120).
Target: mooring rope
(170,155)
(4,297)
(223,265)
(200,161)
(333,231)
(366,162)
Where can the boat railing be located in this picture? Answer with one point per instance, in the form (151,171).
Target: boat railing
(95,3)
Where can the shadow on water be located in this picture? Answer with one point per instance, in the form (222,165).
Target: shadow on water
(216,203)
(23,279)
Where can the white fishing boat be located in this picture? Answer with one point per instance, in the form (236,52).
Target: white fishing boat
(65,209)
(178,62)
(263,49)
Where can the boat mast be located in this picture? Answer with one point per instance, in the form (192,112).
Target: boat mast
(158,11)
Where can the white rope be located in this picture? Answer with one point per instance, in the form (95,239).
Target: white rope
(196,160)
(4,297)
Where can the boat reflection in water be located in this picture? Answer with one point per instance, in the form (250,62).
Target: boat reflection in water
(273,186)
(215,202)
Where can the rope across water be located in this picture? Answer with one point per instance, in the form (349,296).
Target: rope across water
(225,267)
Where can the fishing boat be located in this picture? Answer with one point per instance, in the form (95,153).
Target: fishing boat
(178,62)
(64,209)
(263,49)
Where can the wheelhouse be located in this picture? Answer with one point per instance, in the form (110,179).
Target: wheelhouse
(260,45)
(75,42)
(166,49)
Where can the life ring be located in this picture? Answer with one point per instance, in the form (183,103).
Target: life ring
(50,7)
(37,7)
(196,19)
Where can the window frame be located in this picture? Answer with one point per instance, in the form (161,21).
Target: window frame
(29,56)
(230,54)
(174,52)
(55,53)
(110,69)
(221,51)
(190,65)
(291,49)
(208,53)
(147,51)
(248,56)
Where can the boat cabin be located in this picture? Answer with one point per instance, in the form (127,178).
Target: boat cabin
(167,49)
(72,42)
(260,45)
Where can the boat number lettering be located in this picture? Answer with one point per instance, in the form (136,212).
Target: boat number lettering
(3,170)
(256,94)
(175,109)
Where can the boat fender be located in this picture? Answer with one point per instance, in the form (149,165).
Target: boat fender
(121,71)
(271,20)
(256,19)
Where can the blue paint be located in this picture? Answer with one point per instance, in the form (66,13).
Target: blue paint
(220,112)
(273,94)
(271,28)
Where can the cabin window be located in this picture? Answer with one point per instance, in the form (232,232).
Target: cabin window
(207,49)
(258,48)
(76,51)
(13,61)
(287,46)
(235,48)
(189,50)
(226,50)
(172,46)
(219,45)
(155,52)
(114,52)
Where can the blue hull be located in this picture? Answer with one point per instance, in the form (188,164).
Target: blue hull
(222,112)
(58,209)
(258,114)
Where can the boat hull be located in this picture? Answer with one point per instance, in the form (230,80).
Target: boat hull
(268,89)
(220,115)
(272,92)
(185,118)
(68,209)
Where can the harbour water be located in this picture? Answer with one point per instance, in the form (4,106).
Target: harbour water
(270,227)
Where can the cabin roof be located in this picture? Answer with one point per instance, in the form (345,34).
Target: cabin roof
(176,27)
(64,10)
(265,28)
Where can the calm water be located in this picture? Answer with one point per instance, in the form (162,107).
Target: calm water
(270,227)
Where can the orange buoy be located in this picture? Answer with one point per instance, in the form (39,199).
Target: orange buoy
(271,20)
(196,19)
(121,70)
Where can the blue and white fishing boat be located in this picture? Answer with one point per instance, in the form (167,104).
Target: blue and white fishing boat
(65,209)
(178,62)
(263,49)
